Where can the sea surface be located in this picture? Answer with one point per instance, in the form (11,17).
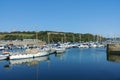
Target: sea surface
(74,64)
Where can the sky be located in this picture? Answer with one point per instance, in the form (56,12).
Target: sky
(79,16)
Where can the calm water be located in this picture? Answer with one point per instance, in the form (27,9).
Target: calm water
(74,64)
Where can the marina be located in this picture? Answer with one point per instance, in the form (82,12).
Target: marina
(59,40)
(74,61)
(32,51)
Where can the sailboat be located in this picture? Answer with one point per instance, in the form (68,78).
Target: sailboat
(57,49)
(29,53)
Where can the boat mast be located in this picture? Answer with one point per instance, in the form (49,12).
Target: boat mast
(36,37)
(64,38)
(80,38)
(73,38)
(48,34)
(55,33)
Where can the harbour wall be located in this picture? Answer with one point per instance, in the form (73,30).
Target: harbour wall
(22,42)
(113,48)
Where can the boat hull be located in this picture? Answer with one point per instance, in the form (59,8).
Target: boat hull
(3,57)
(20,56)
(29,55)
(41,53)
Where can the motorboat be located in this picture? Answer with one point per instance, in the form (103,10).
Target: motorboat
(4,56)
(29,53)
(29,61)
(59,50)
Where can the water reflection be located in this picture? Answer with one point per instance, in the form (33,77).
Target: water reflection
(59,55)
(28,62)
(7,66)
(80,64)
(113,56)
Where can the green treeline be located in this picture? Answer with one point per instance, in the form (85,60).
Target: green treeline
(42,35)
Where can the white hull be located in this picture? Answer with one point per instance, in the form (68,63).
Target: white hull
(20,56)
(83,46)
(28,55)
(29,60)
(60,50)
(3,57)
(41,53)
(2,48)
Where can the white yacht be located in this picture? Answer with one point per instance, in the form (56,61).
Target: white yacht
(83,46)
(29,53)
(29,61)
(59,50)
(2,48)
(4,56)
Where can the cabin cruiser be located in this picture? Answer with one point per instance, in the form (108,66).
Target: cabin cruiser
(59,49)
(2,48)
(29,53)
(4,56)
(83,45)
(29,61)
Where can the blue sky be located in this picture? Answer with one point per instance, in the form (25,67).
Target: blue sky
(79,16)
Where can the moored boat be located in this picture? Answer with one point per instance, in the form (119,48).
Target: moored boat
(29,61)
(4,56)
(20,56)
(29,53)
(41,53)
(60,50)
